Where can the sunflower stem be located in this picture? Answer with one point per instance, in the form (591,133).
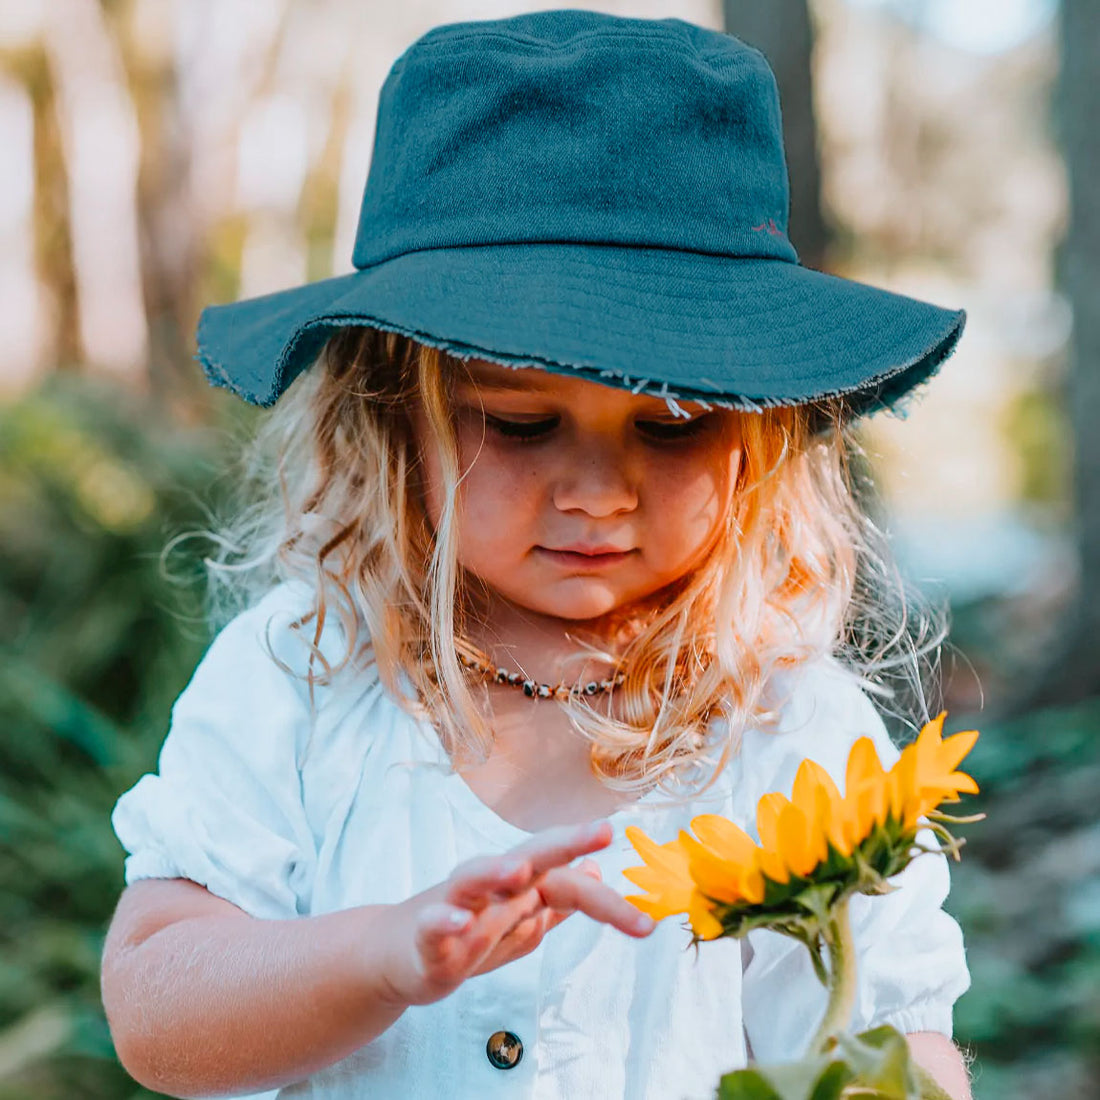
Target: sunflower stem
(842,977)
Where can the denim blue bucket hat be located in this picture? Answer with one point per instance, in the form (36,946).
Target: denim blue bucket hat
(598,196)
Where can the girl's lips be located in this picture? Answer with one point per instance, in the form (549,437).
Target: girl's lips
(576,560)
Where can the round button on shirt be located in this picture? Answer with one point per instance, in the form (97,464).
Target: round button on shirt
(504,1049)
(290,815)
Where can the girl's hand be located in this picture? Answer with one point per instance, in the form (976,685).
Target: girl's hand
(494,909)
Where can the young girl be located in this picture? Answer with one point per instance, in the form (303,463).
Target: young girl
(555,535)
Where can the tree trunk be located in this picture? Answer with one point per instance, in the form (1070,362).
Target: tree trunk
(782,30)
(1071,670)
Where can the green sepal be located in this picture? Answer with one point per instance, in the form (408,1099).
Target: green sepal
(800,907)
(939,815)
(875,1063)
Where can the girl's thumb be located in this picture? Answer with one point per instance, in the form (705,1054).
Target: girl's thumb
(591,868)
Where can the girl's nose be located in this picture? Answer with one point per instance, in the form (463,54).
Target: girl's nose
(597,483)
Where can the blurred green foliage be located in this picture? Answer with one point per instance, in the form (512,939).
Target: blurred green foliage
(99,641)
(1027,894)
(99,637)
(1037,424)
(1027,891)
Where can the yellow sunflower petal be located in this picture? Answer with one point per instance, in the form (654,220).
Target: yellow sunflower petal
(932,796)
(963,782)
(861,818)
(955,748)
(811,775)
(768,810)
(752,886)
(717,878)
(656,908)
(817,795)
(796,843)
(703,922)
(921,778)
(865,791)
(667,902)
(648,878)
(834,816)
(668,857)
(772,865)
(863,764)
(840,833)
(726,839)
(904,787)
(935,726)
(926,749)
(665,876)
(939,757)
(936,780)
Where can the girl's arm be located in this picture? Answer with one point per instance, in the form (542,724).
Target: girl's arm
(943,1060)
(204,1000)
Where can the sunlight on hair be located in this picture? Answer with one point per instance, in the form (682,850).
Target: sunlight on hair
(331,497)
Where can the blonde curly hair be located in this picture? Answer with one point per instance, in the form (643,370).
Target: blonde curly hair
(331,495)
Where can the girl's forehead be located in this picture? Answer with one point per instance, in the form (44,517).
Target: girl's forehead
(488,375)
(485,375)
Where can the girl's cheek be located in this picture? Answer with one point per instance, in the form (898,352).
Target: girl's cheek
(692,499)
(469,445)
(695,473)
(493,494)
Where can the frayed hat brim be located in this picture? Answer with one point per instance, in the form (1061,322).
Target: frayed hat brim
(739,332)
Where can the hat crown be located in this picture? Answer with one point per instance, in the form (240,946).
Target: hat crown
(576,126)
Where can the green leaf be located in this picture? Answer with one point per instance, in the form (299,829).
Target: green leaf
(821,1077)
(881,1060)
(746,1084)
(830,1085)
(876,1063)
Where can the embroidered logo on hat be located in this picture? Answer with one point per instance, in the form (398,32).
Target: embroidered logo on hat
(769,227)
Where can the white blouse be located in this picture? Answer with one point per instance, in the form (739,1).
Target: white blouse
(373,814)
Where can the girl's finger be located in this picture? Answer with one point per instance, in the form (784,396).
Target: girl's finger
(521,939)
(556,847)
(554,917)
(438,924)
(478,882)
(571,890)
(525,936)
(591,868)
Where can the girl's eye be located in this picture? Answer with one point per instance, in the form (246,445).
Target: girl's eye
(522,429)
(660,431)
(671,431)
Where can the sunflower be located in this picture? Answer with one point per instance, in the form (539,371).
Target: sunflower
(816,848)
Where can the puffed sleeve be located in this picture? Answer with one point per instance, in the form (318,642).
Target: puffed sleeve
(912,965)
(224,808)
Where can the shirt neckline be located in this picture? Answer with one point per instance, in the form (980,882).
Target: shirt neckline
(463,797)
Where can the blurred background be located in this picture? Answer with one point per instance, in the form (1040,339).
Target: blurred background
(160,155)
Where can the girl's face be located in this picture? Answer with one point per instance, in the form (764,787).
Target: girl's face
(579,499)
